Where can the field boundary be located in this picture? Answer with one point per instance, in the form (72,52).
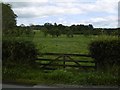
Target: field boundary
(64,58)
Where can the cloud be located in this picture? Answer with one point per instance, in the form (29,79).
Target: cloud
(54,7)
(47,8)
(42,1)
(39,10)
(108,21)
(109,6)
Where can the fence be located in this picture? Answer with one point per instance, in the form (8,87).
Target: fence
(64,58)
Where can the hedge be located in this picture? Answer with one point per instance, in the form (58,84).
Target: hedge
(106,53)
(18,52)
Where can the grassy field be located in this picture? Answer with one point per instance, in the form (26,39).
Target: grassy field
(62,44)
(78,44)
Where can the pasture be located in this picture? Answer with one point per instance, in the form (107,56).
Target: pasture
(79,44)
(62,44)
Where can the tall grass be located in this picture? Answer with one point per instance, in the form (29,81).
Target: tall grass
(35,76)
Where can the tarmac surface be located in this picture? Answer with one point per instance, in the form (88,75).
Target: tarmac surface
(59,86)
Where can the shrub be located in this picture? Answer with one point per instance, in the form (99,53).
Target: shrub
(16,51)
(105,52)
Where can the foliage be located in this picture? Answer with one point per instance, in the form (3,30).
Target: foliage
(53,30)
(118,30)
(18,51)
(24,30)
(57,30)
(45,31)
(69,32)
(8,18)
(106,51)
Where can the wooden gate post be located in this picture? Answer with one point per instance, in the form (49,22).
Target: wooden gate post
(96,66)
(64,61)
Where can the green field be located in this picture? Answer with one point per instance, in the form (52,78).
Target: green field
(78,44)
(62,44)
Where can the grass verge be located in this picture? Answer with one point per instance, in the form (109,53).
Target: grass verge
(36,76)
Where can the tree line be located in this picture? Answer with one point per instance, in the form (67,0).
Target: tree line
(55,30)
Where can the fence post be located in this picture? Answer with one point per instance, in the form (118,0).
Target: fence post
(64,61)
(96,65)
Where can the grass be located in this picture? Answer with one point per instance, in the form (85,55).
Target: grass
(62,44)
(72,77)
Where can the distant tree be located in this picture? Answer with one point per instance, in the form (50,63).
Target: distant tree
(31,26)
(91,27)
(45,31)
(61,28)
(22,25)
(55,24)
(48,26)
(57,32)
(8,18)
(54,32)
(69,32)
(52,29)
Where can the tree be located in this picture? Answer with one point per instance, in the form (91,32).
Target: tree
(61,28)
(90,26)
(48,26)
(69,32)
(8,18)
(45,31)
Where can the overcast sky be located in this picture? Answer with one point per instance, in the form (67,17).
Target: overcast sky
(99,13)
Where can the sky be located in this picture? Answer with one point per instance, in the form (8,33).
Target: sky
(99,13)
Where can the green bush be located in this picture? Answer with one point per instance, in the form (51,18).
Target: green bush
(16,51)
(105,52)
